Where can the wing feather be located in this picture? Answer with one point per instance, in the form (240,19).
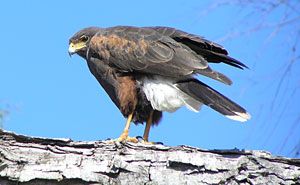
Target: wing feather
(210,51)
(213,52)
(146,51)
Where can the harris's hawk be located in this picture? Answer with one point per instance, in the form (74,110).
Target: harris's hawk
(148,70)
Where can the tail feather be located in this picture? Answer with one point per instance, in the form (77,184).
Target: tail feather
(212,98)
(214,57)
(215,75)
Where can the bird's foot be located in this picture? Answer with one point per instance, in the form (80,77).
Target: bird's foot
(146,142)
(125,138)
(122,140)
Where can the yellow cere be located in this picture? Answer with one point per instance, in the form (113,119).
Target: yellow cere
(75,47)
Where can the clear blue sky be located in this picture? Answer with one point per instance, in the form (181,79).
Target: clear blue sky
(50,94)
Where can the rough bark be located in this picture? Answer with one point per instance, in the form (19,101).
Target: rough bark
(30,161)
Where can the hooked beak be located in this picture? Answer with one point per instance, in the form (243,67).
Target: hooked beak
(72,49)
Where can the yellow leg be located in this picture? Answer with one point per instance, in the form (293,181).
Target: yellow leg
(147,128)
(124,136)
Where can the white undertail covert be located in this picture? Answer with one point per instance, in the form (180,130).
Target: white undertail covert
(164,95)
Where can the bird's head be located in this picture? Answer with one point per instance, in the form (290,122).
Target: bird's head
(79,42)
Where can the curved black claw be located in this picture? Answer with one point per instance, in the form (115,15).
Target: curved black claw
(140,138)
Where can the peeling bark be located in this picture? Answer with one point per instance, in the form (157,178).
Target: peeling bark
(31,161)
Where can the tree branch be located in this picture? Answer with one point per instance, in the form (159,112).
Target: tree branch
(32,161)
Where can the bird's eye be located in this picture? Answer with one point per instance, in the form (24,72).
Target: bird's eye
(84,38)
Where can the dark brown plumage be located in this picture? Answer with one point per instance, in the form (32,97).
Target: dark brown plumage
(149,70)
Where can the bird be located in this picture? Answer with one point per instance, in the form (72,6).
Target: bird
(150,70)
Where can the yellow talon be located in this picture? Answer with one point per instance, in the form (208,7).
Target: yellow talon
(124,136)
(148,143)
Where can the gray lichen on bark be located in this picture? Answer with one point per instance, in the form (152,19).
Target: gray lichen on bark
(31,161)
